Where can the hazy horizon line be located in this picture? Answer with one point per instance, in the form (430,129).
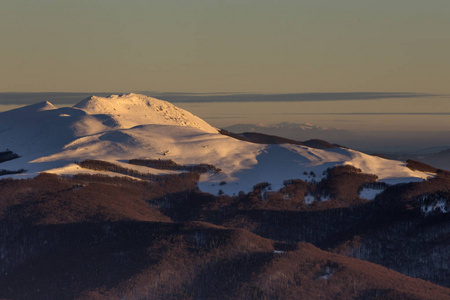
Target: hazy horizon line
(374,114)
(24,98)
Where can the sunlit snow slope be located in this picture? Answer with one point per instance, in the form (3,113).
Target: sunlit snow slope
(131,110)
(119,128)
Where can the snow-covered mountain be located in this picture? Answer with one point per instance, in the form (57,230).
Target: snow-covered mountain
(119,128)
(131,110)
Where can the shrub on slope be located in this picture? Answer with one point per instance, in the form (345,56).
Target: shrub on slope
(7,155)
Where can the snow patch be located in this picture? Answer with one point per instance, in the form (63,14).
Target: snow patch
(328,272)
(369,193)
(74,169)
(309,199)
(389,171)
(439,205)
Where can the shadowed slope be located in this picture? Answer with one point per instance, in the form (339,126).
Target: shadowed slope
(261,138)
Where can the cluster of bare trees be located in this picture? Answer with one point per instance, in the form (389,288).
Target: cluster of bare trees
(168,164)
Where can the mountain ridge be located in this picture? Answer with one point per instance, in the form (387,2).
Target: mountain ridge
(119,128)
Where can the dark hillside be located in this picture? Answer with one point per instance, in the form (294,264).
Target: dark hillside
(148,260)
(407,239)
(309,273)
(96,237)
(384,223)
(419,166)
(48,199)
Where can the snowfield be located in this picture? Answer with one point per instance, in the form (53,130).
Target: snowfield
(119,128)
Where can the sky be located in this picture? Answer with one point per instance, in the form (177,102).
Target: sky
(379,66)
(207,46)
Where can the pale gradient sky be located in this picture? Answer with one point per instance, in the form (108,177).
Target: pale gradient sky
(262,46)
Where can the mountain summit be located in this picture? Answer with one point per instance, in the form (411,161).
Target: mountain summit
(131,110)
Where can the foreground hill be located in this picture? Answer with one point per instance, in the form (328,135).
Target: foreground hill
(80,238)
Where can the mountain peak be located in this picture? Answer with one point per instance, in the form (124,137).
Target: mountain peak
(131,110)
(31,109)
(44,105)
(41,106)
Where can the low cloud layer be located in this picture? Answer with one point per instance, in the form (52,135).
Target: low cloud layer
(179,97)
(72,98)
